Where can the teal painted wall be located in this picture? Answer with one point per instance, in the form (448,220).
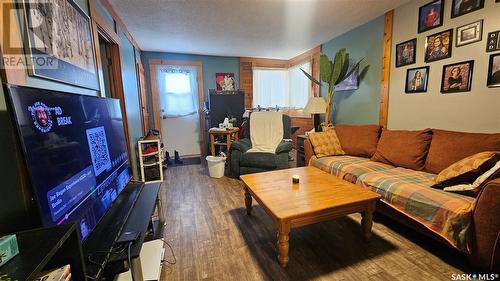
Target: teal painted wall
(360,106)
(131,93)
(211,65)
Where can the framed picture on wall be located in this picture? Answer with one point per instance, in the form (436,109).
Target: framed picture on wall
(457,77)
(493,41)
(494,71)
(416,80)
(60,44)
(470,33)
(430,15)
(406,52)
(462,7)
(438,46)
(224,81)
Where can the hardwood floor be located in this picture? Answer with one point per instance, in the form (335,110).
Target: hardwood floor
(214,239)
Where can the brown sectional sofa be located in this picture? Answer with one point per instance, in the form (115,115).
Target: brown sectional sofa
(469,224)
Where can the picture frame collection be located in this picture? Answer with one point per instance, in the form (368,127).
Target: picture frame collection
(456,77)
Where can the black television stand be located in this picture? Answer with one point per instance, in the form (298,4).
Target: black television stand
(131,212)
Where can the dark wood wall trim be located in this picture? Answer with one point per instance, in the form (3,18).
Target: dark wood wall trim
(386,68)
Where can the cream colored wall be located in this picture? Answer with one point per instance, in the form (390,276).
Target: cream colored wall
(474,111)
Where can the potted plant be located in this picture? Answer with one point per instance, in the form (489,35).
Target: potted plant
(333,73)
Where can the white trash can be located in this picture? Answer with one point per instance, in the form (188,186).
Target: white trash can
(215,166)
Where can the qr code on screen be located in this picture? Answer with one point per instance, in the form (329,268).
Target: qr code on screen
(99,151)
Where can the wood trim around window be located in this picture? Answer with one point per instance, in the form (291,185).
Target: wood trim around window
(248,63)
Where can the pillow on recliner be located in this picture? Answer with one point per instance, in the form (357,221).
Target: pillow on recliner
(406,149)
(358,140)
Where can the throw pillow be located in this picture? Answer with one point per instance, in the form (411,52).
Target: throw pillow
(326,143)
(358,140)
(447,147)
(475,188)
(406,149)
(466,170)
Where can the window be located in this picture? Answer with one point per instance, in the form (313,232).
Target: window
(281,87)
(178,86)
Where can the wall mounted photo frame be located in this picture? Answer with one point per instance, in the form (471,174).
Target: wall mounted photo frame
(406,52)
(494,71)
(430,15)
(492,41)
(71,53)
(438,46)
(417,80)
(457,77)
(224,81)
(462,7)
(469,33)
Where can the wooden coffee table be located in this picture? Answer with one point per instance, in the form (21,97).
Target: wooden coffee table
(318,197)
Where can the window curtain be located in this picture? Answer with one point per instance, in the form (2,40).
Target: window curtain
(300,85)
(270,87)
(281,87)
(178,88)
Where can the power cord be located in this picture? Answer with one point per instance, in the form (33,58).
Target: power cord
(130,260)
(171,250)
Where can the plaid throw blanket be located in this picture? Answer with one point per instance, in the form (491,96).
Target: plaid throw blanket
(346,167)
(447,214)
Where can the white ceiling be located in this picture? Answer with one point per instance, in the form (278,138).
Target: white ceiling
(256,28)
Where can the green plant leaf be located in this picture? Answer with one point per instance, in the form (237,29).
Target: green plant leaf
(310,77)
(324,68)
(356,66)
(338,65)
(345,67)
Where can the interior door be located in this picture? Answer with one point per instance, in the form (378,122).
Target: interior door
(178,98)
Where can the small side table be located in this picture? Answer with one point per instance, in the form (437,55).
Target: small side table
(300,150)
(228,133)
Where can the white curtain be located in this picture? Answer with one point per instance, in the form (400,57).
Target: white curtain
(281,87)
(300,85)
(270,87)
(178,87)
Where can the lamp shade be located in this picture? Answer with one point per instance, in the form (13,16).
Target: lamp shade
(315,105)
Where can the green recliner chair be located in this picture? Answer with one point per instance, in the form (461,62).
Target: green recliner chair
(243,162)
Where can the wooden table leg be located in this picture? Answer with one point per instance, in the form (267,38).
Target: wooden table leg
(212,144)
(283,246)
(248,201)
(228,142)
(367,220)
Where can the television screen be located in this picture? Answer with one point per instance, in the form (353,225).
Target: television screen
(75,152)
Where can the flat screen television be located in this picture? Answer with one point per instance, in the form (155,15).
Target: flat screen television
(75,152)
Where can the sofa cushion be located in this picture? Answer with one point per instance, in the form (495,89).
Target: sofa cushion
(406,149)
(408,191)
(358,140)
(261,160)
(474,188)
(448,147)
(466,170)
(326,143)
(348,168)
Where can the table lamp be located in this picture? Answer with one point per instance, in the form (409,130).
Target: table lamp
(316,106)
